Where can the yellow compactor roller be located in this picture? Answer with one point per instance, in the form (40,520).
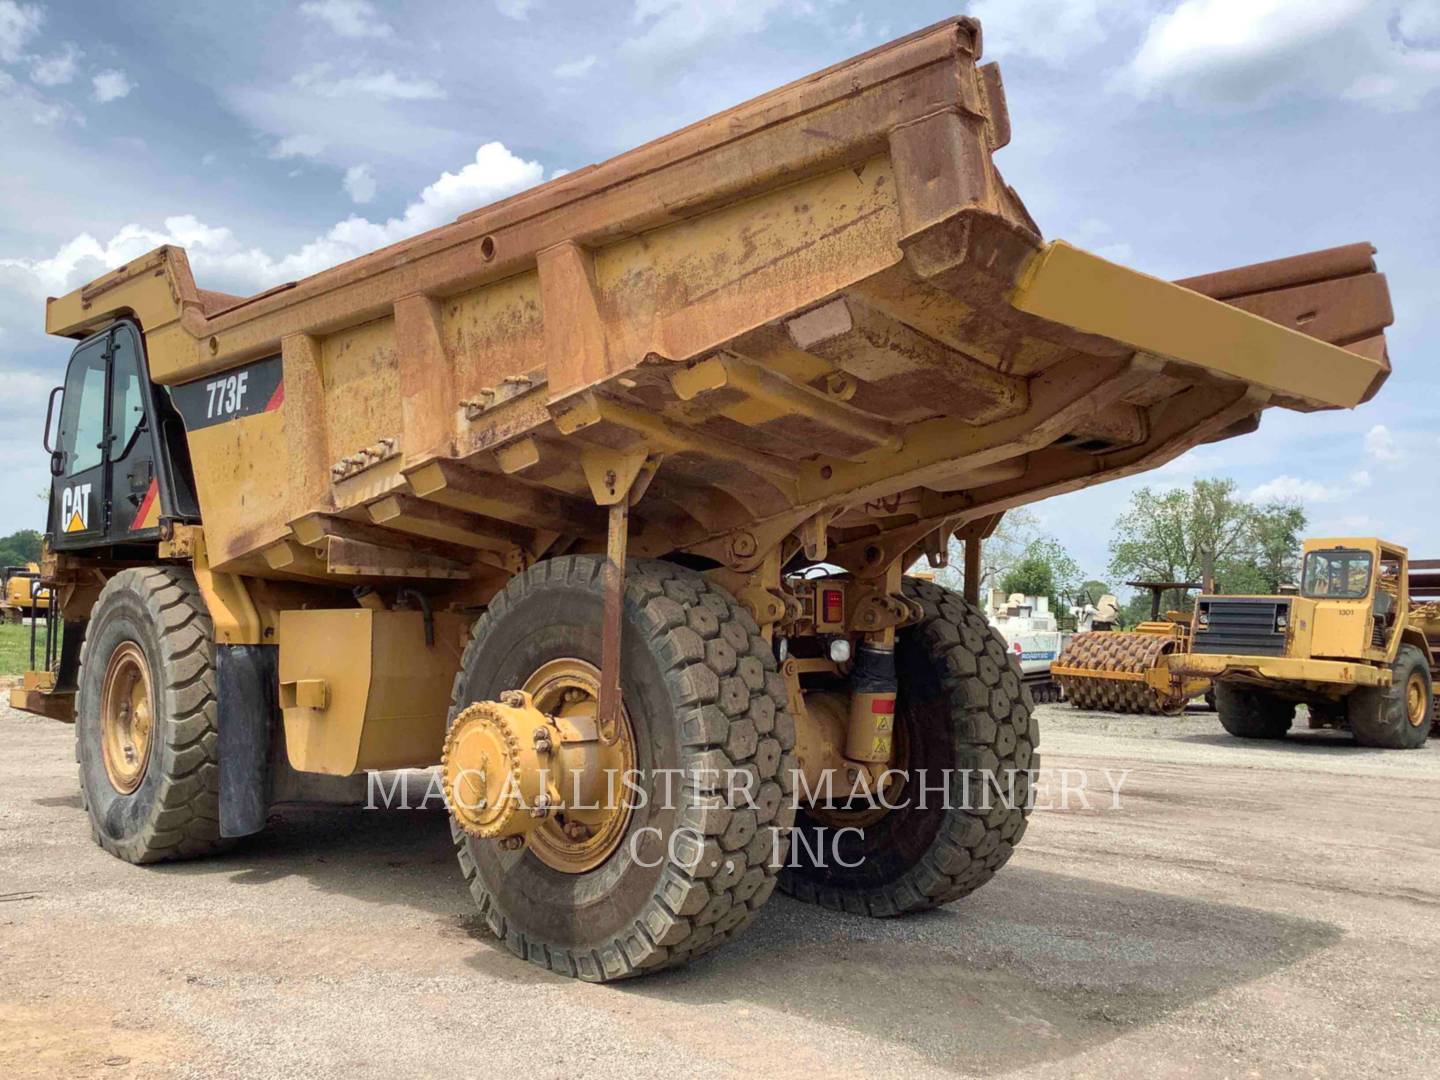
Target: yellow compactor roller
(543,493)
(1129,671)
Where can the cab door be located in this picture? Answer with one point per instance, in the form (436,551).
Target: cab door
(120,461)
(133,480)
(78,464)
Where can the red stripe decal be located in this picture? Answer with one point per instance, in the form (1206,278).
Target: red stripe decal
(277,398)
(145,505)
(883,705)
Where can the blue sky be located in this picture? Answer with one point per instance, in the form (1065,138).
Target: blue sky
(1176,136)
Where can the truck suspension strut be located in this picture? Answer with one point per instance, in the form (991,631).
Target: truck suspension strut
(872,704)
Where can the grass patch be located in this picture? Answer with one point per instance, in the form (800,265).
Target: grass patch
(15,648)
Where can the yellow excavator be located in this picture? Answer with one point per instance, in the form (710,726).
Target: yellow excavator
(24,596)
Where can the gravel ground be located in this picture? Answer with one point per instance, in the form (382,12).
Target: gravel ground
(1248,910)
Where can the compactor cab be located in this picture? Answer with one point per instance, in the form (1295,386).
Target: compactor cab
(1348,643)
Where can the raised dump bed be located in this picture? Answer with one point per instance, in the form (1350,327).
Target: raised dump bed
(816,330)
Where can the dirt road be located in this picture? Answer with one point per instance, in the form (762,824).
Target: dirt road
(1247,911)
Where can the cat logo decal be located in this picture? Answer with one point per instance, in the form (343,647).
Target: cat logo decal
(75,508)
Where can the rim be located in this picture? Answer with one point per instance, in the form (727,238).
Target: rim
(577,840)
(127,718)
(1416,699)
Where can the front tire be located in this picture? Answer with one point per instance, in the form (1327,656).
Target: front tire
(1252,714)
(962,716)
(702,696)
(1397,717)
(145,719)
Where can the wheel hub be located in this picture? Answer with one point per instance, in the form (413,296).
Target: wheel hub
(531,769)
(1415,699)
(127,717)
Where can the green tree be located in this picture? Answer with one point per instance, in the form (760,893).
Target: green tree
(1279,530)
(1046,569)
(1031,576)
(1206,532)
(20,547)
(999,553)
(1017,551)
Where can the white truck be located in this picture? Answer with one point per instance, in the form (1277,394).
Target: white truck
(1032,634)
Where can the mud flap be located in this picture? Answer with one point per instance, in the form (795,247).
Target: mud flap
(247,681)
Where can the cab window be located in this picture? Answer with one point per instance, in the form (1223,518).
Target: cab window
(1340,574)
(127,406)
(82,417)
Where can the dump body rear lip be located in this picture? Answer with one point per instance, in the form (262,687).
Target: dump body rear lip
(1080,290)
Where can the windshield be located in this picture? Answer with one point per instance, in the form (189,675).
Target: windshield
(1342,573)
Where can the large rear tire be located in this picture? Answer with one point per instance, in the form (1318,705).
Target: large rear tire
(702,696)
(962,717)
(1397,717)
(1252,714)
(145,719)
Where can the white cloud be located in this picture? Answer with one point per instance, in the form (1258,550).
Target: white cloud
(55,70)
(297,145)
(1287,488)
(18,24)
(515,9)
(1049,30)
(359,183)
(1380,444)
(221,261)
(25,395)
(856,30)
(384,85)
(1249,53)
(111,85)
(17,99)
(1292,489)
(1419,22)
(349,18)
(575,68)
(1096,235)
(673,29)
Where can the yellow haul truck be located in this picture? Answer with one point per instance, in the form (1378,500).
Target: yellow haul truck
(1352,643)
(542,494)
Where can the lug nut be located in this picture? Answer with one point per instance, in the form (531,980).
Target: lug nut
(577,831)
